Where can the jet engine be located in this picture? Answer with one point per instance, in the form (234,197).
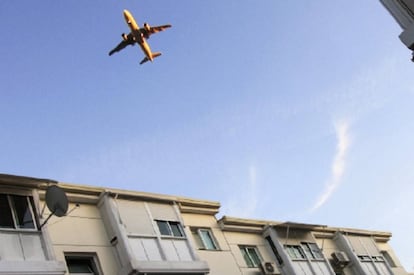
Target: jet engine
(124,37)
(147,27)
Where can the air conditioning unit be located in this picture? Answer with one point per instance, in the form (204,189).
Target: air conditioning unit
(340,258)
(269,268)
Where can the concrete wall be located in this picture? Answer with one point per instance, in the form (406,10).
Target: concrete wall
(82,231)
(391,258)
(234,239)
(403,13)
(220,261)
(26,250)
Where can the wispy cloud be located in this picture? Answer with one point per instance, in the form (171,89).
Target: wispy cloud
(338,164)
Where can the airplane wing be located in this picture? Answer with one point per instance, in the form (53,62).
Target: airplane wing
(151,30)
(143,60)
(128,40)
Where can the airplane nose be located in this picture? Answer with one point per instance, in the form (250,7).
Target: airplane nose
(128,16)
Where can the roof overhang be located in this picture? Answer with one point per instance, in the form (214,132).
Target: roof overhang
(301,225)
(21,181)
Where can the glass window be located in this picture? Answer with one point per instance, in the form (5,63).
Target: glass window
(204,239)
(176,229)
(364,258)
(82,264)
(168,228)
(251,256)
(312,251)
(378,258)
(197,238)
(6,218)
(273,247)
(164,228)
(24,218)
(207,238)
(295,252)
(16,212)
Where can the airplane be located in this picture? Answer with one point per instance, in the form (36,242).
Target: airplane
(139,35)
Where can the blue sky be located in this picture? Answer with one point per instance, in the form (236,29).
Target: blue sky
(281,110)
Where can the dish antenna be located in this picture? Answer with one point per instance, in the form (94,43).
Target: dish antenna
(56,201)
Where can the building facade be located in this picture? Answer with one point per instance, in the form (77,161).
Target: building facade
(110,231)
(403,13)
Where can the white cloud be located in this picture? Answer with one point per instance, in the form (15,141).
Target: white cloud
(338,164)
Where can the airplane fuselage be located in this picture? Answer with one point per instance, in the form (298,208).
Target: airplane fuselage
(138,36)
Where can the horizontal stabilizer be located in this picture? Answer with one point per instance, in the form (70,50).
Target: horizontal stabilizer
(154,55)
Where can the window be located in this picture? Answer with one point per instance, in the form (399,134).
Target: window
(295,252)
(16,212)
(204,238)
(85,264)
(251,256)
(273,247)
(388,258)
(169,228)
(364,258)
(312,251)
(378,259)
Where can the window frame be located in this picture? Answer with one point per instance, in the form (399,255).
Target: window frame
(274,250)
(291,252)
(170,229)
(378,258)
(310,251)
(249,260)
(364,258)
(200,238)
(31,207)
(91,256)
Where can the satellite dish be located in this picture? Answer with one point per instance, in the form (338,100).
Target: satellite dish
(56,201)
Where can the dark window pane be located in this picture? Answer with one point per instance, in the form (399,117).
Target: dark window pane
(299,251)
(295,252)
(164,228)
(316,252)
(308,251)
(251,256)
(272,245)
(176,229)
(24,216)
(79,265)
(207,239)
(6,218)
(197,238)
(246,257)
(254,256)
(290,252)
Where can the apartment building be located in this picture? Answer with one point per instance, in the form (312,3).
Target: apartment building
(25,247)
(110,231)
(403,13)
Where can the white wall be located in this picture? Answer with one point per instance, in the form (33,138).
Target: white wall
(220,261)
(82,231)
